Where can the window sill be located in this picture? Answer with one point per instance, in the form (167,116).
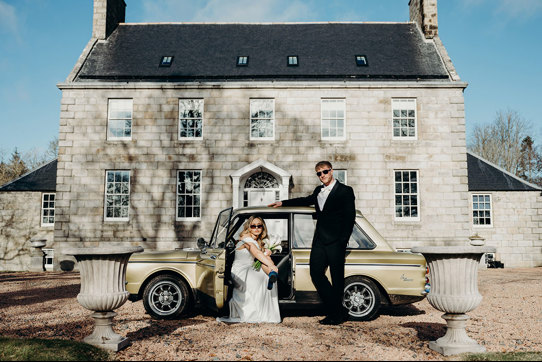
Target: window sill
(115,140)
(190,139)
(188,219)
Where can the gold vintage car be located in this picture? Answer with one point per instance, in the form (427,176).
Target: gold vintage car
(170,282)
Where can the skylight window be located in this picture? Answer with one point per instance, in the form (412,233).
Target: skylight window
(361,60)
(166,61)
(292,61)
(242,61)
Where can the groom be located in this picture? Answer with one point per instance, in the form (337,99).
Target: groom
(335,216)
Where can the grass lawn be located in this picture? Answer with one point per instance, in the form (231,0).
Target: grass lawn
(16,349)
(509,356)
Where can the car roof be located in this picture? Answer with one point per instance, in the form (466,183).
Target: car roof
(282,209)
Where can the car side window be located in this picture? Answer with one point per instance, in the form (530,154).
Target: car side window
(359,240)
(277,228)
(304,225)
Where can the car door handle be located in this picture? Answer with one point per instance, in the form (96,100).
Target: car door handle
(220,276)
(213,257)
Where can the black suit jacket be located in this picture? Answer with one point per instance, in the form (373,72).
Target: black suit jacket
(335,222)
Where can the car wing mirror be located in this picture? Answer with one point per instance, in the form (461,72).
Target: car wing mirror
(202,245)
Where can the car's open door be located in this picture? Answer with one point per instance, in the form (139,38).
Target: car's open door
(212,264)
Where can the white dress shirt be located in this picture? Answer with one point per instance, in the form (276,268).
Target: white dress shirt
(324,193)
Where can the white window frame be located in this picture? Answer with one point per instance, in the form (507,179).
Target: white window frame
(49,254)
(484,209)
(322,119)
(202,119)
(407,104)
(111,137)
(345,175)
(418,199)
(197,218)
(127,218)
(252,101)
(47,224)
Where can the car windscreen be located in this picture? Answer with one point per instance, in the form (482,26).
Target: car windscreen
(277,227)
(303,232)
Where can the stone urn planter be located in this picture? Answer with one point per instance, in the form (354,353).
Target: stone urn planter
(103,277)
(36,255)
(453,273)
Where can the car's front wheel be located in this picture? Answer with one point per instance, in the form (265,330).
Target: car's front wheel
(361,298)
(166,297)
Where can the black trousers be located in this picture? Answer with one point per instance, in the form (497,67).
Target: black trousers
(322,257)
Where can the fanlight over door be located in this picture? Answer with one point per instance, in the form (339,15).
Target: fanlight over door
(260,189)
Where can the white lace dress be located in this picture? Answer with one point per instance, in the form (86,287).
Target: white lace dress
(251,302)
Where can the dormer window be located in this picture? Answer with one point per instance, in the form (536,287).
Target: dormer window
(242,61)
(166,61)
(361,60)
(292,61)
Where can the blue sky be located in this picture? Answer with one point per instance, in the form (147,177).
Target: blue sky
(495,46)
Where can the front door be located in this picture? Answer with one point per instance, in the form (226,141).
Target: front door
(261,197)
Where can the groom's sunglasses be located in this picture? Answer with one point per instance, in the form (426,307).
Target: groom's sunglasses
(256,226)
(325,172)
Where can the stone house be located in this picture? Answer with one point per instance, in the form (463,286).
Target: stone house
(27,211)
(163,125)
(506,211)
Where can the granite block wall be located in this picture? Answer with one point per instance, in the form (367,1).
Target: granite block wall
(20,221)
(516,229)
(154,154)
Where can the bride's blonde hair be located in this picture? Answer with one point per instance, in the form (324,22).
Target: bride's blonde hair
(246,230)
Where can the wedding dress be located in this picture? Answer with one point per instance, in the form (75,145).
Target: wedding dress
(251,302)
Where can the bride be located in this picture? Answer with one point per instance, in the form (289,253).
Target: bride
(255,295)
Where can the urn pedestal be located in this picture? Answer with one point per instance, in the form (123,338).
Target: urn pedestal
(36,255)
(453,273)
(103,278)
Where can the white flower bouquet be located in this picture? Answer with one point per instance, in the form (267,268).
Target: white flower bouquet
(272,243)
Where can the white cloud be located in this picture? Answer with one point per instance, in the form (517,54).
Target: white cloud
(8,18)
(227,11)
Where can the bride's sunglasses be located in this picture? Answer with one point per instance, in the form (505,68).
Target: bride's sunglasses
(256,226)
(325,172)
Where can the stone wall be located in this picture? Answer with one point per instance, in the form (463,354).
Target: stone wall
(154,154)
(20,221)
(516,231)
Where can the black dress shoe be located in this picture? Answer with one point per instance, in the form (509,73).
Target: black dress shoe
(332,321)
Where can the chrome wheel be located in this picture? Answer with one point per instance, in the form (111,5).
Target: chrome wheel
(361,298)
(165,297)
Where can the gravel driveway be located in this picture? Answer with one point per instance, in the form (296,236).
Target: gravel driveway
(509,319)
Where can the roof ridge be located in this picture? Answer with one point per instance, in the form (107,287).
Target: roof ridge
(504,171)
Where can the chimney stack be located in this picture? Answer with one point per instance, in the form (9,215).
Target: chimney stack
(424,13)
(107,16)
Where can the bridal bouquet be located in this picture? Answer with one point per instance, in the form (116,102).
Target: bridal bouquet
(272,243)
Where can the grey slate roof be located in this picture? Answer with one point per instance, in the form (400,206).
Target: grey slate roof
(484,176)
(326,51)
(40,179)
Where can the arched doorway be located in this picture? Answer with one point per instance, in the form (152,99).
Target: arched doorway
(259,183)
(261,188)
